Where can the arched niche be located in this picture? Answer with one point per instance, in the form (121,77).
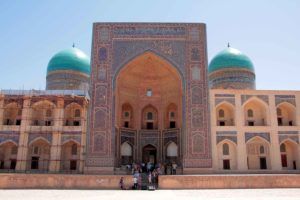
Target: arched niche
(8,155)
(147,79)
(227,155)
(70,156)
(258,154)
(225,114)
(255,113)
(172,150)
(149,117)
(42,113)
(73,114)
(127,116)
(38,155)
(286,114)
(126,153)
(12,114)
(149,154)
(289,155)
(171,116)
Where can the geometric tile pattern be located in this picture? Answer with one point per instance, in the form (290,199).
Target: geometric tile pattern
(181,44)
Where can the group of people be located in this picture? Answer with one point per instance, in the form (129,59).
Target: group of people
(161,169)
(152,171)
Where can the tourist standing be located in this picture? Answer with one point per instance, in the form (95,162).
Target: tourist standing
(148,166)
(121,183)
(143,167)
(140,182)
(174,167)
(154,176)
(135,182)
(150,178)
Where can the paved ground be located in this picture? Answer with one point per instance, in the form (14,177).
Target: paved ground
(256,194)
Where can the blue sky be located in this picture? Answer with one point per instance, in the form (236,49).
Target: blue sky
(32,31)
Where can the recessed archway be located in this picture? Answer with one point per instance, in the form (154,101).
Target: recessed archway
(43,113)
(126,153)
(8,155)
(225,114)
(286,114)
(255,112)
(39,155)
(149,154)
(147,79)
(258,154)
(289,155)
(70,154)
(12,114)
(150,84)
(227,155)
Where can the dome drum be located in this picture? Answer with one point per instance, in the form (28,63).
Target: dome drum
(232,79)
(67,80)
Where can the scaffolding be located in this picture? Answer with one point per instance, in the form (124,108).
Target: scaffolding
(38,118)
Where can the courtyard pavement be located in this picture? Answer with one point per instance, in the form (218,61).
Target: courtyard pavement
(232,194)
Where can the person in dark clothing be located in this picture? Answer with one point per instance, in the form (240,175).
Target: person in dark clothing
(121,183)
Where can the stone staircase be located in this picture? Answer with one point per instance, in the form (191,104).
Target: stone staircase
(122,171)
(145,183)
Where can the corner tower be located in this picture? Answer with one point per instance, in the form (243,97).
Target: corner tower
(231,69)
(68,69)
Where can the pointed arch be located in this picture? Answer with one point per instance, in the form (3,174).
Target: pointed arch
(227,160)
(289,154)
(224,102)
(149,153)
(71,140)
(227,141)
(254,98)
(287,114)
(228,119)
(171,149)
(257,137)
(7,142)
(41,102)
(39,138)
(258,153)
(147,52)
(12,114)
(127,115)
(12,105)
(40,111)
(73,104)
(287,104)
(70,155)
(72,114)
(149,117)
(171,115)
(288,140)
(260,112)
(8,154)
(126,149)
(38,155)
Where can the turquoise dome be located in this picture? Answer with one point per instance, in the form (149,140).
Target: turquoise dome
(70,59)
(230,58)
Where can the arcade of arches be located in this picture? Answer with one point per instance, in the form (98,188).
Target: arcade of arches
(148,104)
(254,131)
(150,101)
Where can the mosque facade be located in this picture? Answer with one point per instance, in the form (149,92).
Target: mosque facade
(149,95)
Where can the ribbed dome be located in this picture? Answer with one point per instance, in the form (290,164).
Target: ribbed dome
(230,58)
(70,59)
